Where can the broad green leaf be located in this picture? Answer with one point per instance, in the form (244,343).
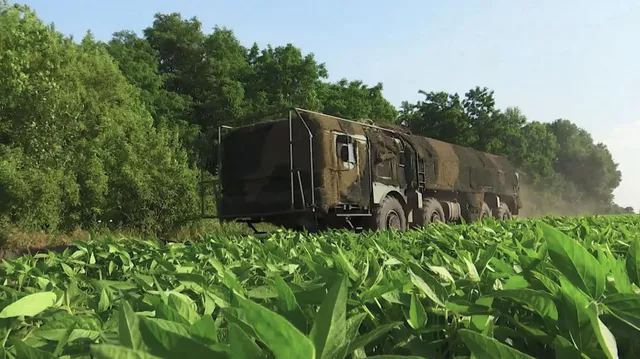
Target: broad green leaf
(103,303)
(485,257)
(193,281)
(205,329)
(64,340)
(633,261)
(166,312)
(350,269)
(471,269)
(574,313)
(552,287)
(329,328)
(353,325)
(369,337)
(56,329)
(184,308)
(285,294)
(605,338)
(279,335)
(575,262)
(625,307)
(481,321)
(463,307)
(428,284)
(539,301)
(25,351)
(262,292)
(163,342)
(516,282)
(166,264)
(443,273)
(622,282)
(417,314)
(289,304)
(566,350)
(67,269)
(483,347)
(232,318)
(110,351)
(30,305)
(242,346)
(128,327)
(167,325)
(502,266)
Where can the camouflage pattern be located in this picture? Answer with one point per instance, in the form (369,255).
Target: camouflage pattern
(256,180)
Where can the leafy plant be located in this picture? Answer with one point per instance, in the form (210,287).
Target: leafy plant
(553,287)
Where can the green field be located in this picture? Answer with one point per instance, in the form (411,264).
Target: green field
(515,289)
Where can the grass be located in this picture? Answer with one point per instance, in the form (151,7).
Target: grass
(551,287)
(14,241)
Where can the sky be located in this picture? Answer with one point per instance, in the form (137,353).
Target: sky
(569,59)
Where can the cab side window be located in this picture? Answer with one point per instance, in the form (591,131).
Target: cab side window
(346,151)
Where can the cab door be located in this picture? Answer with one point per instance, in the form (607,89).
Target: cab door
(353,169)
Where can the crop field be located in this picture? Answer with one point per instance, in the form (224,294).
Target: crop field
(546,288)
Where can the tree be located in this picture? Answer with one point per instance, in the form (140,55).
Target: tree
(116,132)
(139,62)
(537,152)
(281,78)
(590,166)
(357,101)
(440,116)
(79,146)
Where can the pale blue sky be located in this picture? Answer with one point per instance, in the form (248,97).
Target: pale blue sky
(572,59)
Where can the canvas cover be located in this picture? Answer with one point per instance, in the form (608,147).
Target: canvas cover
(256,173)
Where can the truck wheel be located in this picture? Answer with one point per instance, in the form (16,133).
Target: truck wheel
(485,212)
(432,212)
(390,215)
(503,213)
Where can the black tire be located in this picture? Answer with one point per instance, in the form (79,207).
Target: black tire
(503,212)
(389,214)
(432,212)
(485,211)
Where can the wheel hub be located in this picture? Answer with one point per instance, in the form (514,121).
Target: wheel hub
(393,220)
(435,217)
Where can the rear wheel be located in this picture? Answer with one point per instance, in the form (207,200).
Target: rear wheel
(503,212)
(432,212)
(389,215)
(485,211)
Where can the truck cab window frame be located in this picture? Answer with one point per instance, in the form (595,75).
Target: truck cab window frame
(346,151)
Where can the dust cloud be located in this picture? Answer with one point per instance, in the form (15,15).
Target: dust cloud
(538,204)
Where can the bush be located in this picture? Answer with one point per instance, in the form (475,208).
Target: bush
(78,148)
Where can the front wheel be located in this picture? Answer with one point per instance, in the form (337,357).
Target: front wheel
(390,215)
(503,212)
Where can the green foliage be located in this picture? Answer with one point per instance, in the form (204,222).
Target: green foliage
(355,100)
(558,160)
(77,146)
(112,133)
(516,289)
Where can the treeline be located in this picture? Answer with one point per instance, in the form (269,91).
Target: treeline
(114,133)
(565,171)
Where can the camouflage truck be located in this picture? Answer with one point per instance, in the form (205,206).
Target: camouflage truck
(314,171)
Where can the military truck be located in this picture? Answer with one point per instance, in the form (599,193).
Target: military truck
(312,171)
